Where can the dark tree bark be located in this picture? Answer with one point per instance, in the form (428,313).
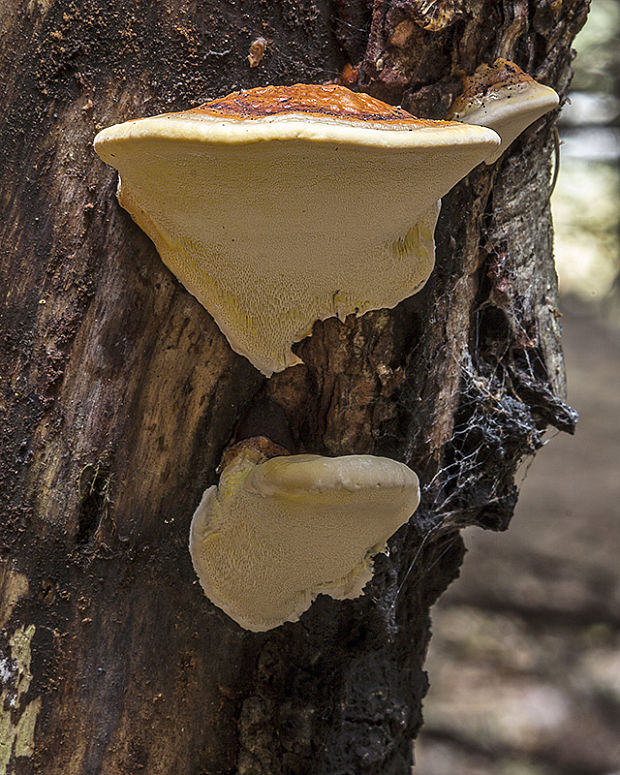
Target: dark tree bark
(119,394)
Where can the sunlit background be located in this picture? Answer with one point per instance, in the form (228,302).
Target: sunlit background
(585,202)
(525,657)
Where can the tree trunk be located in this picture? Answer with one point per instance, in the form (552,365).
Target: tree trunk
(119,393)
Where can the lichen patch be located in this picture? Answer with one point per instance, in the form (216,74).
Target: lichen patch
(17,724)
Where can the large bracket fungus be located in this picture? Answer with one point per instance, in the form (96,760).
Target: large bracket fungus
(283,205)
(278,531)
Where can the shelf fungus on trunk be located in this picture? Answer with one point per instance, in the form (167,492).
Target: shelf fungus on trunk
(283,205)
(504,98)
(278,531)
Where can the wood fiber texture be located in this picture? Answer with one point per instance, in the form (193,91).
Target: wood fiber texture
(118,393)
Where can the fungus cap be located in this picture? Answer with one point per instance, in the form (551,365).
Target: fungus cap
(280,206)
(504,98)
(277,532)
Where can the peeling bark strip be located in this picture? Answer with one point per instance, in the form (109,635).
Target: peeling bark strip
(118,393)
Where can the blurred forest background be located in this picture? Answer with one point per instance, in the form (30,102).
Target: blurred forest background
(525,656)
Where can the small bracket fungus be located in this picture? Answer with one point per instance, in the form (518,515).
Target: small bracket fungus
(277,532)
(283,205)
(504,98)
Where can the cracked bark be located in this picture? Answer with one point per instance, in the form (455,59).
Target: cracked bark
(118,392)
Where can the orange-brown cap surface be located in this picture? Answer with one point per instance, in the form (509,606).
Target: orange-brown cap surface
(315,100)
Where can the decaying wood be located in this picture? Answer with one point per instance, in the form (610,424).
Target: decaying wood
(119,393)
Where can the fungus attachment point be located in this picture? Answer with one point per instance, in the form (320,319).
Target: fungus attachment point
(504,98)
(283,205)
(277,532)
